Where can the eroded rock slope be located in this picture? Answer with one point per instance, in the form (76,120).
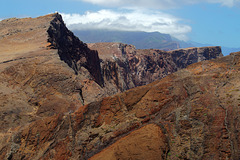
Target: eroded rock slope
(43,67)
(47,75)
(191,114)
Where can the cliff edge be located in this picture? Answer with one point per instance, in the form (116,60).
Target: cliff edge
(42,69)
(127,67)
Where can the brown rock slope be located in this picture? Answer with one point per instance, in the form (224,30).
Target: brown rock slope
(42,71)
(148,142)
(38,49)
(128,67)
(191,114)
(196,108)
(45,69)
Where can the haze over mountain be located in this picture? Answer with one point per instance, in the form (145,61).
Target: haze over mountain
(142,40)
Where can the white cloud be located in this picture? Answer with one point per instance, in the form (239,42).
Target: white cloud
(228,3)
(160,4)
(134,20)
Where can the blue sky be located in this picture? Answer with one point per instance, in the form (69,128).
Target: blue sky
(215,22)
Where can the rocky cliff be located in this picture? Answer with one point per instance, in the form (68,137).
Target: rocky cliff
(47,75)
(191,114)
(195,112)
(127,67)
(43,67)
(73,51)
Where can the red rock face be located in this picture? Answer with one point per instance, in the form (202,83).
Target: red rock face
(148,142)
(42,68)
(127,67)
(191,114)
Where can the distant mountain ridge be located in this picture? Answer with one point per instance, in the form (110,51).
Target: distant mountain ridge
(225,50)
(143,40)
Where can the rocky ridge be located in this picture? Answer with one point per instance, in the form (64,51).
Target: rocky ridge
(139,39)
(191,114)
(42,69)
(195,109)
(128,67)
(47,75)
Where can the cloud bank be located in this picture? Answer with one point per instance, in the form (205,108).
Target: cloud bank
(160,4)
(134,20)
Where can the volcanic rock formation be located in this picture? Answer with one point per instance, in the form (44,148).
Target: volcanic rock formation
(124,67)
(47,75)
(191,114)
(127,67)
(42,69)
(195,112)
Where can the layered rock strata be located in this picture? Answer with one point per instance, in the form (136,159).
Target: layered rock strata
(128,67)
(191,114)
(43,67)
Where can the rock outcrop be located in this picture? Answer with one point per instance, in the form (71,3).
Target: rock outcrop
(43,67)
(127,67)
(72,51)
(196,108)
(124,67)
